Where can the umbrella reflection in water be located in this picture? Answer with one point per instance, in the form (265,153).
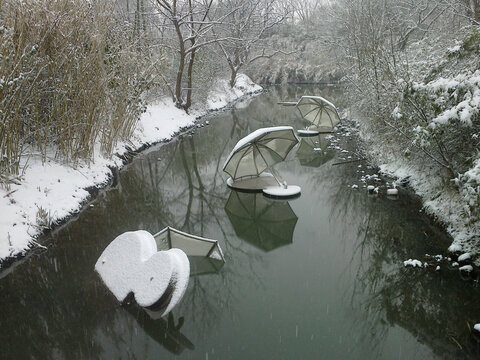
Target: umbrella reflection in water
(264,223)
(314,151)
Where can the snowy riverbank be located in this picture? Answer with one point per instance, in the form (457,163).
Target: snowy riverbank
(425,131)
(442,202)
(51,192)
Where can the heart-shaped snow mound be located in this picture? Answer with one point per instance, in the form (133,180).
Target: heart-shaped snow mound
(132,264)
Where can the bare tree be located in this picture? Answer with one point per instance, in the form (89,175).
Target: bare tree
(192,22)
(243,33)
(474,10)
(469,9)
(303,11)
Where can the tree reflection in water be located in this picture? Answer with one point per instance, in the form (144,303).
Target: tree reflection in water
(56,299)
(431,305)
(58,303)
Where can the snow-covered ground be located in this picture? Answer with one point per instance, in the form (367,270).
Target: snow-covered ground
(53,191)
(223,94)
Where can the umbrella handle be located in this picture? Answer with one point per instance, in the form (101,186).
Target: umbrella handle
(287,103)
(281,183)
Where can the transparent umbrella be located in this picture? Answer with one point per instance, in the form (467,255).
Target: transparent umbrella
(260,150)
(319,112)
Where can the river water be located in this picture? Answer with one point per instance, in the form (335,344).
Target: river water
(317,277)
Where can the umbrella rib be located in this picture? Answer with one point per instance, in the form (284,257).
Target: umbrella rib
(330,118)
(283,158)
(270,149)
(265,210)
(238,163)
(308,113)
(245,208)
(266,163)
(335,115)
(255,161)
(317,115)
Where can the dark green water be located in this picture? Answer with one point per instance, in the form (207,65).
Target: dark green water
(318,277)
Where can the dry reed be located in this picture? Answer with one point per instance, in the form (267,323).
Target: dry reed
(69,78)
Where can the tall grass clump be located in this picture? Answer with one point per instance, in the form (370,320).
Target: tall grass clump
(70,78)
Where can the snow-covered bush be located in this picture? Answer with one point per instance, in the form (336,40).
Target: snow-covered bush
(69,76)
(447,113)
(469,185)
(414,80)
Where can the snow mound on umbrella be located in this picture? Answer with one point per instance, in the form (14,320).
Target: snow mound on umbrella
(308,132)
(257,133)
(132,264)
(281,191)
(317,98)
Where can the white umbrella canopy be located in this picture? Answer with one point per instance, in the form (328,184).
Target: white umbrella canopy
(259,151)
(318,111)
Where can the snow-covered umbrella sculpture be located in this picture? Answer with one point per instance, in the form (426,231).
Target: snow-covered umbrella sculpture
(256,153)
(321,113)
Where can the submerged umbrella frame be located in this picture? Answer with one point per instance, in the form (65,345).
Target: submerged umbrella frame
(212,245)
(260,144)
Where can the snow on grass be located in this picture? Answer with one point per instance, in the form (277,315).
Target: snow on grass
(467,268)
(53,191)
(454,248)
(47,193)
(160,122)
(412,263)
(445,88)
(463,257)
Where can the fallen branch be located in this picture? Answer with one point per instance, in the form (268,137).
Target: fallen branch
(348,162)
(10,193)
